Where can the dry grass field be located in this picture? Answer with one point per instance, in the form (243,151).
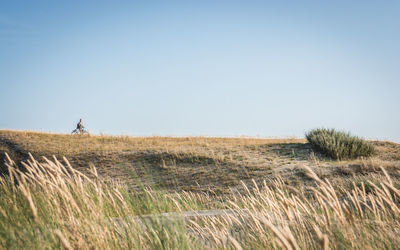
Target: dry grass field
(110,193)
(197,163)
(281,192)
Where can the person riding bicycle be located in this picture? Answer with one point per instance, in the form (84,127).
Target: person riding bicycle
(80,129)
(80,126)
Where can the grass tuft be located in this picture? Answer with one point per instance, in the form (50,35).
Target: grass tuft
(339,145)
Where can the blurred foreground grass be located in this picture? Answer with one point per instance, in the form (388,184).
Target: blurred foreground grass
(52,205)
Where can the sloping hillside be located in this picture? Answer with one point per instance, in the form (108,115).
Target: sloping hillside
(196,163)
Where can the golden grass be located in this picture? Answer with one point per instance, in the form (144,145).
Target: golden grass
(177,159)
(52,205)
(196,163)
(71,144)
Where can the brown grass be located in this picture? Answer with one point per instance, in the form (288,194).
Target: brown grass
(198,163)
(52,205)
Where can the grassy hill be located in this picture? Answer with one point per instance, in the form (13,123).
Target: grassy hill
(266,194)
(196,163)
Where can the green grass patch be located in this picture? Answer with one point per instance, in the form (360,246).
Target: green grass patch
(339,145)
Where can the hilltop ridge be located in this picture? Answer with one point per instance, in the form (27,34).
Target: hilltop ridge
(194,163)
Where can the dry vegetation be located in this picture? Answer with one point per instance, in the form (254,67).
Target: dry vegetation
(52,205)
(196,163)
(281,193)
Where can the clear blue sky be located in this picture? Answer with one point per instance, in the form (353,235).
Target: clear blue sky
(212,68)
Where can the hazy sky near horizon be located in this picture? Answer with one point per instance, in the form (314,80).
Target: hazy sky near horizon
(211,68)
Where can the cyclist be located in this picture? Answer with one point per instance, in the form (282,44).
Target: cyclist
(80,126)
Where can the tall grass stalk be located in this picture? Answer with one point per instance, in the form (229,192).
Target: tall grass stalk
(52,205)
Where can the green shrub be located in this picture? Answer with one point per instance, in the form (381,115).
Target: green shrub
(339,145)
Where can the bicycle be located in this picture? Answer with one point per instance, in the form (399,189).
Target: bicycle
(82,131)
